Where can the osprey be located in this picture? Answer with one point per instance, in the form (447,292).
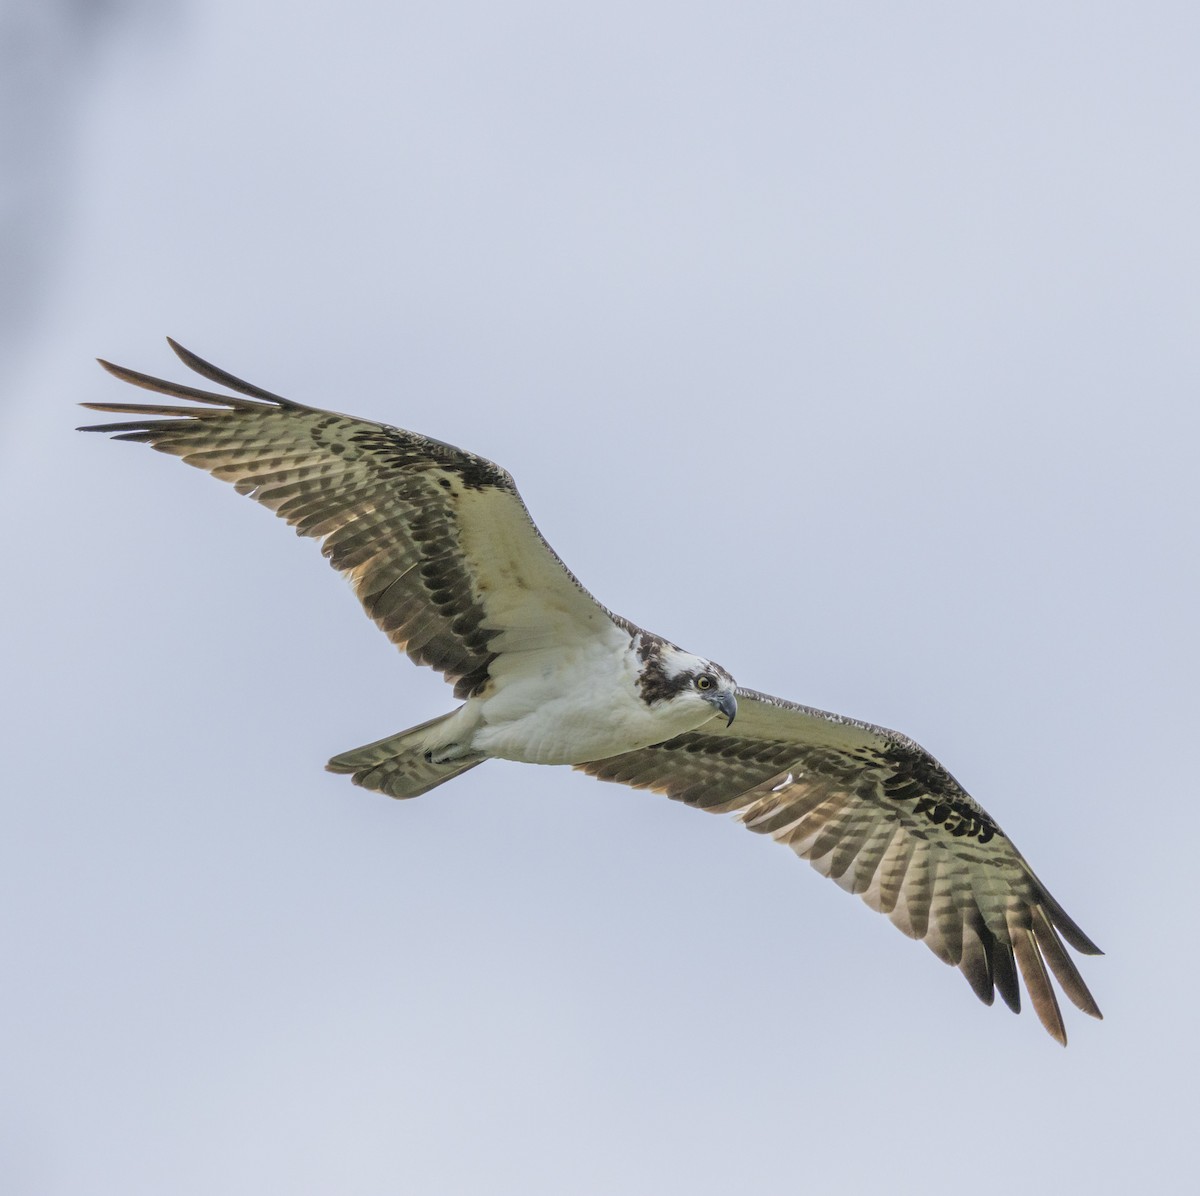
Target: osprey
(445,558)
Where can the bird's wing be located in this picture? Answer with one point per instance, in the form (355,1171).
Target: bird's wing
(436,541)
(878,814)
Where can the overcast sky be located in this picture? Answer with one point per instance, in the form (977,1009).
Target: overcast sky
(852,345)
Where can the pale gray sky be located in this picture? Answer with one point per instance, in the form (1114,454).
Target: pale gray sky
(853,345)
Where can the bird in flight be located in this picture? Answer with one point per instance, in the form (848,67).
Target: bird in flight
(444,556)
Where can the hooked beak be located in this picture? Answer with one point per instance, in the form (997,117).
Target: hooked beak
(726,703)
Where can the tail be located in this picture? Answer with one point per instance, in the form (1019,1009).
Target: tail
(398,765)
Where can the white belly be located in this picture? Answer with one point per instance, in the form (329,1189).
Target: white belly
(567,708)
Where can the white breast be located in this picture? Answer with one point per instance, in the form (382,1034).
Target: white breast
(569,705)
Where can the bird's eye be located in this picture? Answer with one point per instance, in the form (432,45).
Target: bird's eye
(704,681)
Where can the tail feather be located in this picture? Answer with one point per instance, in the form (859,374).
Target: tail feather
(397,765)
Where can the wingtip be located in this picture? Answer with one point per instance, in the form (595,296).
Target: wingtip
(93,427)
(115,370)
(1052,1022)
(180,352)
(197,364)
(124,373)
(192,360)
(214,373)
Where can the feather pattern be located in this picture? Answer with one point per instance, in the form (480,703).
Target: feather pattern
(397,512)
(877,814)
(444,557)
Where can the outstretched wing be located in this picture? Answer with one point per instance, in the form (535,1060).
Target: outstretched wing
(436,541)
(875,812)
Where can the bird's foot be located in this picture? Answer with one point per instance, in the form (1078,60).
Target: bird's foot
(446,754)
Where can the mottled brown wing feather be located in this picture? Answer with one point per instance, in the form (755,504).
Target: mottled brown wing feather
(436,541)
(876,813)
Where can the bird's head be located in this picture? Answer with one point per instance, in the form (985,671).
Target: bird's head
(669,674)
